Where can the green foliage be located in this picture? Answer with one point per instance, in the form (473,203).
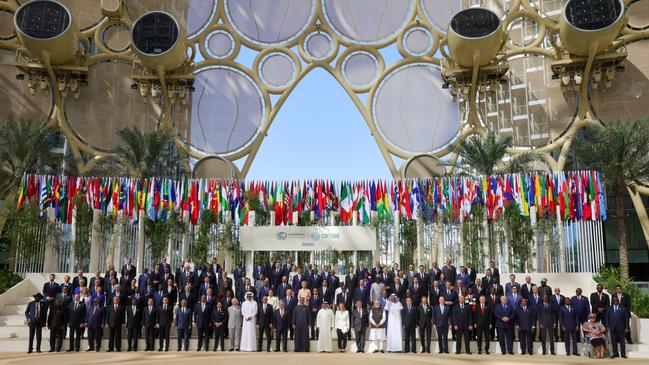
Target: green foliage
(202,243)
(8,279)
(521,235)
(159,231)
(262,217)
(83,231)
(610,276)
(485,155)
(408,241)
(472,236)
(28,230)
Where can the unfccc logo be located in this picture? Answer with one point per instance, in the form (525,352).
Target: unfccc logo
(315,235)
(281,235)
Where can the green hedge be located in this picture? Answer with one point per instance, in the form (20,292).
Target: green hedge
(610,276)
(8,279)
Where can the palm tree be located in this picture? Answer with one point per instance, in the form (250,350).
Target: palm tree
(486,154)
(620,150)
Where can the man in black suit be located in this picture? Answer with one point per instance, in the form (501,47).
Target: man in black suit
(441,316)
(36,316)
(617,324)
(570,325)
(280,326)
(133,324)
(149,320)
(50,289)
(398,289)
(97,279)
(114,321)
(557,301)
(350,280)
(315,303)
(425,324)
(494,270)
(526,323)
(409,323)
(482,323)
(130,269)
(164,319)
(416,291)
(202,318)
(599,299)
(360,321)
(546,316)
(95,325)
(77,279)
(462,320)
(76,319)
(326,293)
(434,292)
(449,271)
(265,319)
(625,301)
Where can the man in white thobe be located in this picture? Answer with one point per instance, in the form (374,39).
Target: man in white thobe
(249,328)
(393,308)
(325,324)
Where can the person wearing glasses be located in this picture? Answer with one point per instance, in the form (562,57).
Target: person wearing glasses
(596,332)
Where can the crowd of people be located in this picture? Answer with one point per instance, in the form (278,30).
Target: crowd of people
(280,301)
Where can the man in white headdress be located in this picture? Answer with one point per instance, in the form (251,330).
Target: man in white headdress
(377,328)
(393,308)
(325,323)
(248,330)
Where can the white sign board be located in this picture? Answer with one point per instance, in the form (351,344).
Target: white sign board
(313,238)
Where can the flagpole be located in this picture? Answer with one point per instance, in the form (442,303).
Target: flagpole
(94,242)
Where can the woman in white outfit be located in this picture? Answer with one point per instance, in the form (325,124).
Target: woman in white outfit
(395,339)
(377,331)
(342,326)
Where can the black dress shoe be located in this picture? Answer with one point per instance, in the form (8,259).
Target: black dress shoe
(29,351)
(38,351)
(469,353)
(487,352)
(382,351)
(160,350)
(69,350)
(511,352)
(51,350)
(479,352)
(624,356)
(375,351)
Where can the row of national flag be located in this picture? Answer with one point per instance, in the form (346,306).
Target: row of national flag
(570,195)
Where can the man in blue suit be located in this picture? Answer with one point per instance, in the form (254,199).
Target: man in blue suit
(582,307)
(36,316)
(546,316)
(258,269)
(617,323)
(51,288)
(441,315)
(298,279)
(512,283)
(505,318)
(95,324)
(281,324)
(526,323)
(514,297)
(183,324)
(569,325)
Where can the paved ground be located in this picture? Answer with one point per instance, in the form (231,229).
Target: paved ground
(264,358)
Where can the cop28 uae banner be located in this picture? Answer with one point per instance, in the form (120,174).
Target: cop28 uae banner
(312,238)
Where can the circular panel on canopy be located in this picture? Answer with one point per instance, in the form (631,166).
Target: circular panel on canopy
(440,12)
(531,106)
(318,45)
(368,21)
(422,166)
(117,37)
(214,167)
(220,44)
(227,110)
(639,14)
(277,70)
(360,69)
(628,96)
(6,25)
(108,104)
(192,15)
(523,31)
(413,112)
(15,96)
(418,41)
(270,22)
(86,13)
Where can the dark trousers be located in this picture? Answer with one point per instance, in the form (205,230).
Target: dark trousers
(149,335)
(94,338)
(425,336)
(75,338)
(360,340)
(506,339)
(133,334)
(219,335)
(260,338)
(203,337)
(558,333)
(183,336)
(618,338)
(35,331)
(483,333)
(56,338)
(315,332)
(462,333)
(525,338)
(281,337)
(547,334)
(342,339)
(115,338)
(570,336)
(410,339)
(442,339)
(163,337)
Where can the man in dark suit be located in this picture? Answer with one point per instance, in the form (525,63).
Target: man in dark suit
(149,320)
(114,321)
(599,299)
(77,279)
(425,323)
(281,323)
(360,321)
(348,301)
(202,318)
(257,270)
(526,323)
(546,316)
(183,323)
(76,319)
(569,325)
(462,320)
(96,279)
(265,317)
(625,301)
(416,291)
(557,301)
(362,292)
(130,269)
(434,292)
(164,320)
(36,316)
(409,323)
(449,271)
(526,288)
(617,323)
(50,288)
(283,287)
(505,317)
(482,323)
(315,303)
(326,292)
(494,270)
(95,325)
(441,316)
(133,324)
(290,302)
(350,280)
(397,288)
(582,307)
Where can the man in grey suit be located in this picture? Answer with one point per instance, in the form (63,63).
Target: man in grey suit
(235,321)
(359,323)
(183,324)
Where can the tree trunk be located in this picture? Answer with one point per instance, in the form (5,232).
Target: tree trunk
(621,232)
